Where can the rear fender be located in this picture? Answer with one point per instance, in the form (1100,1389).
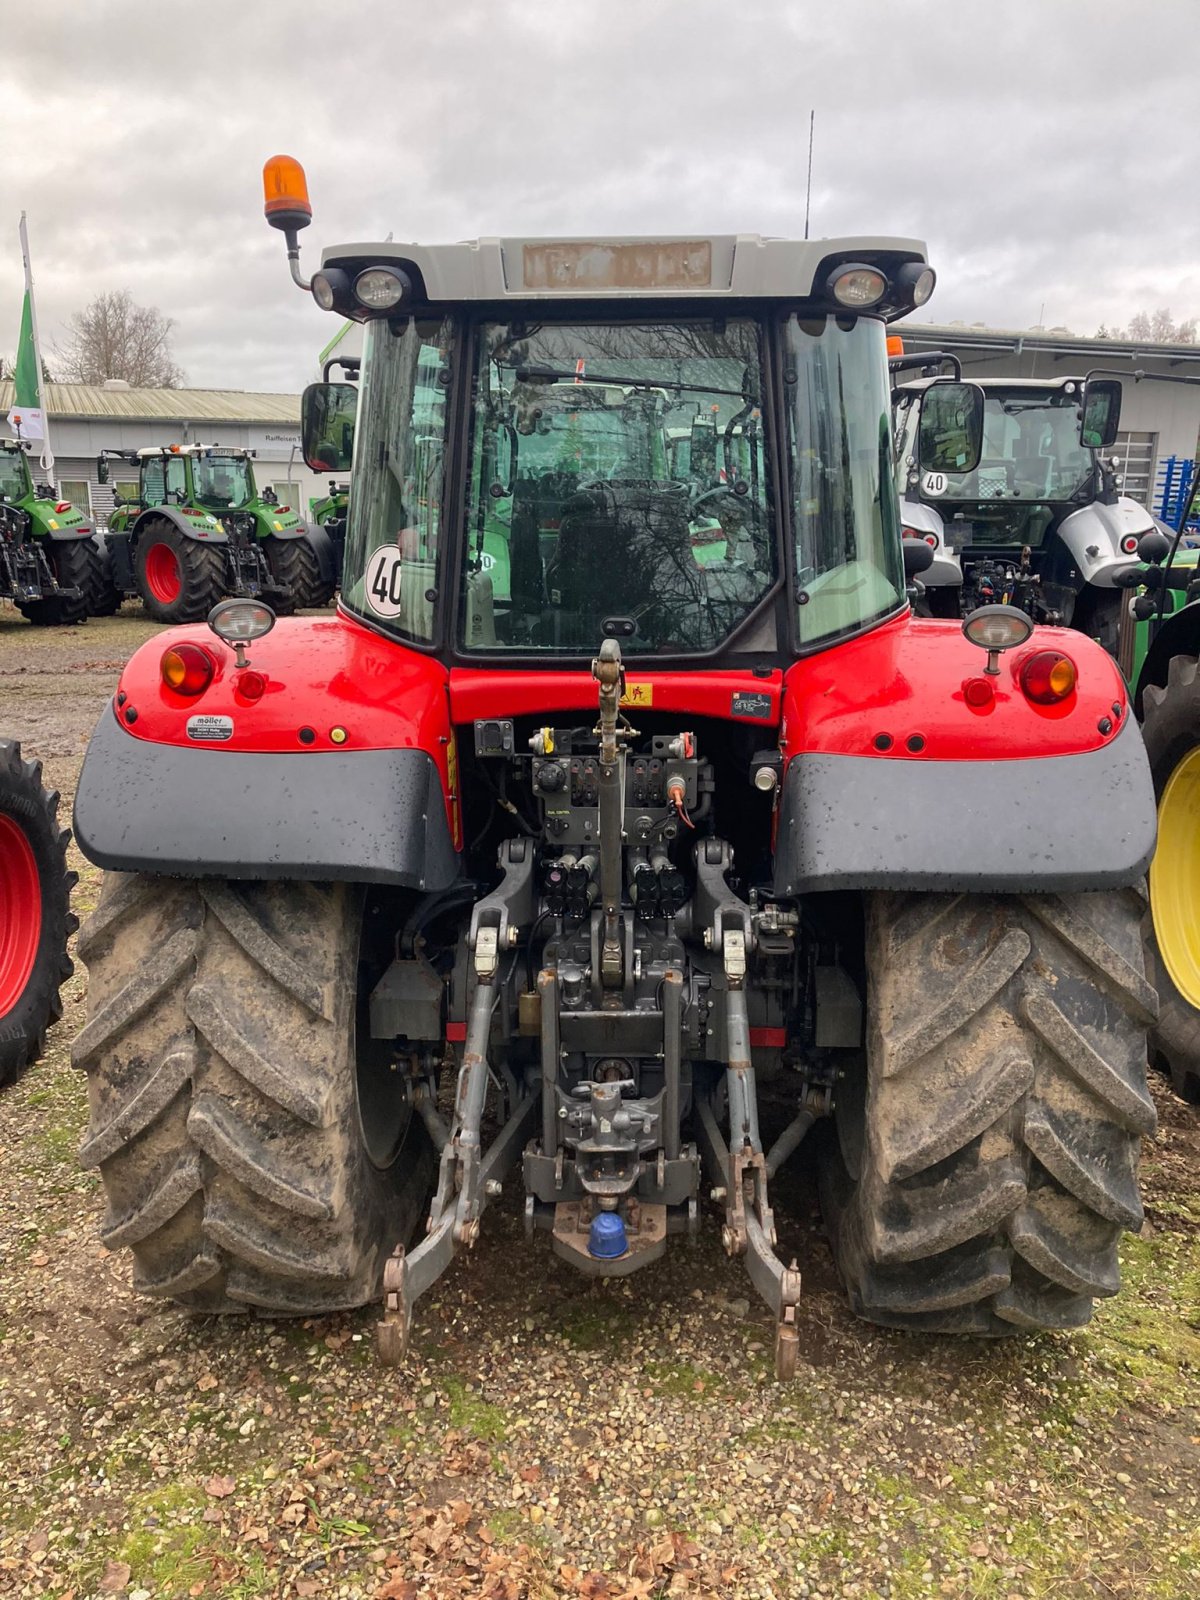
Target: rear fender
(272,523)
(343,769)
(892,781)
(1094,536)
(205,530)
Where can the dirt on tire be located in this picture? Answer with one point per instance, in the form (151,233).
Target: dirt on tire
(985,1167)
(221,1060)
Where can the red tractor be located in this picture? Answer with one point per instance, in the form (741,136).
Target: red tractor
(615,793)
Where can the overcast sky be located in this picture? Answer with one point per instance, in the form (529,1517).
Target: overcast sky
(1045,149)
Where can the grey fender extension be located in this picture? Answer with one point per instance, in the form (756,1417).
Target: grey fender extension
(1054,823)
(367,816)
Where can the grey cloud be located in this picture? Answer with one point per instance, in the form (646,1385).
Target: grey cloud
(1044,151)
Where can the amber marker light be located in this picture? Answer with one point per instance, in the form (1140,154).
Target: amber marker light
(1046,677)
(187,669)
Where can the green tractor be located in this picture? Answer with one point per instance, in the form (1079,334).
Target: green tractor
(330,514)
(1160,647)
(50,565)
(200,530)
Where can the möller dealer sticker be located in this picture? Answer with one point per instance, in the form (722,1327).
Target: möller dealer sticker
(210,729)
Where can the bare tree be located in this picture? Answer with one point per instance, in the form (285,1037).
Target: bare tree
(114,338)
(1157,327)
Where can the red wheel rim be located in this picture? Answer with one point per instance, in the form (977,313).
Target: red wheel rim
(20,913)
(162,573)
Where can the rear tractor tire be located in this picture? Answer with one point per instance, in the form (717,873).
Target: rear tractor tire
(1171,732)
(228,1057)
(985,1165)
(104,598)
(72,562)
(179,579)
(35,916)
(293,563)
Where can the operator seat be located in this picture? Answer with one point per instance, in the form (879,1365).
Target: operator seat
(624,550)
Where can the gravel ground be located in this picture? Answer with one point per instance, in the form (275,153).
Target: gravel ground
(551,1437)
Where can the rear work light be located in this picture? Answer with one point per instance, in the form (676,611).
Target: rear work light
(61,506)
(187,669)
(1046,677)
(857,287)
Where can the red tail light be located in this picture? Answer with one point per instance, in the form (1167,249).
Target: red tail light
(978,693)
(187,669)
(251,684)
(1047,676)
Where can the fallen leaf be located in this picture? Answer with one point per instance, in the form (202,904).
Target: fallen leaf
(39,1260)
(210,1514)
(115,1577)
(294,1514)
(530,1474)
(397,1589)
(219,1487)
(208,1381)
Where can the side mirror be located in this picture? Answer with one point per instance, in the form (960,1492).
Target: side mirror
(327,416)
(918,558)
(950,435)
(1101,413)
(101,470)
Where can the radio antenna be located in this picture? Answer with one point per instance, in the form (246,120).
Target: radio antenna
(812,117)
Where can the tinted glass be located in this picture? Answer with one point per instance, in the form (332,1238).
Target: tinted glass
(849,571)
(585,518)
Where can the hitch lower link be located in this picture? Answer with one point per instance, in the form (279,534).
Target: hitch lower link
(741,1168)
(467,1177)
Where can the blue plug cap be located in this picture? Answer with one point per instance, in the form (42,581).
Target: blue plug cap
(606,1237)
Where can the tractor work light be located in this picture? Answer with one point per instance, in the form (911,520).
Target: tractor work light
(329,286)
(1046,677)
(996,628)
(239,622)
(381,288)
(917,280)
(858,287)
(187,669)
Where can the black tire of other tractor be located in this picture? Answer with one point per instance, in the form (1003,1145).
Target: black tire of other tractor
(294,562)
(1098,614)
(1170,729)
(72,568)
(221,1056)
(26,805)
(985,1166)
(202,573)
(104,598)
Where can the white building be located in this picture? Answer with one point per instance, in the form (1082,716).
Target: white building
(88,418)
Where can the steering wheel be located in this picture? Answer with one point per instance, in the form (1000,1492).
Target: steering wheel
(714,493)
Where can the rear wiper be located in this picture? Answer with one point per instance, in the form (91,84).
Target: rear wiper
(552,375)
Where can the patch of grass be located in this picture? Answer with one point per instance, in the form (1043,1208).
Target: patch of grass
(683,1382)
(1150,1333)
(595,1321)
(472,1415)
(165,1558)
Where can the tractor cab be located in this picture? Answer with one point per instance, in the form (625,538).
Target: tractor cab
(1039,522)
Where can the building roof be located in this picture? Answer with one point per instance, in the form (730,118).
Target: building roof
(86,400)
(1055,341)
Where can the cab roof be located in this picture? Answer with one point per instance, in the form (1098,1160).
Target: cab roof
(1033,385)
(695,266)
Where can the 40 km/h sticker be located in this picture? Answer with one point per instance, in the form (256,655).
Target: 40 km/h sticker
(934,483)
(384,579)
